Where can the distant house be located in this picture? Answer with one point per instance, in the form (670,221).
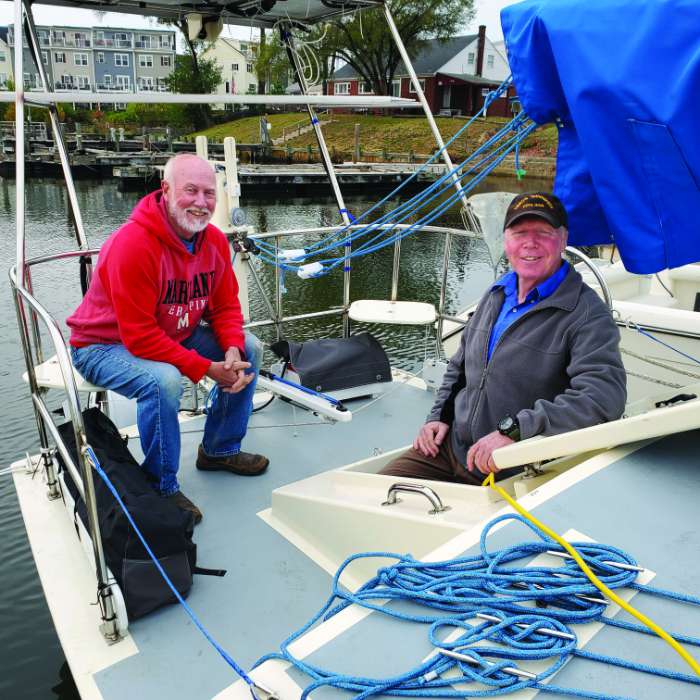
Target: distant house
(105,59)
(5,59)
(455,76)
(237,62)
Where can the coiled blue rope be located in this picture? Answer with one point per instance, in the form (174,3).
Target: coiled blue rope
(499,584)
(462,589)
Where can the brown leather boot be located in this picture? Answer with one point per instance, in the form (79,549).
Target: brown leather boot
(184,503)
(244,463)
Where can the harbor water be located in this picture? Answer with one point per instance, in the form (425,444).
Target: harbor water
(32,664)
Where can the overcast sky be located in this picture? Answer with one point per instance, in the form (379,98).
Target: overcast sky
(487,12)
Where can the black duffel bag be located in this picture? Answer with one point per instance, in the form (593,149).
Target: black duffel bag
(166,528)
(331,364)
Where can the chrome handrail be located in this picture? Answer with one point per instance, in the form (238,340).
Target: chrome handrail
(423,490)
(84,480)
(596,273)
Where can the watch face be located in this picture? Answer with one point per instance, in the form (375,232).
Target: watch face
(506,423)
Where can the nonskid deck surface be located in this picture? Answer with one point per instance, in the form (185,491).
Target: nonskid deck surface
(271,587)
(645,504)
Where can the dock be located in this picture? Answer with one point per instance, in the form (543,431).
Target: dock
(296,179)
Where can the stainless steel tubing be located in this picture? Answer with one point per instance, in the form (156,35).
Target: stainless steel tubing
(330,229)
(68,460)
(40,259)
(596,273)
(299,317)
(426,491)
(278,292)
(57,133)
(395,270)
(54,491)
(109,627)
(288,40)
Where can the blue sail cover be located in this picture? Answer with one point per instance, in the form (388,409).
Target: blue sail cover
(622,78)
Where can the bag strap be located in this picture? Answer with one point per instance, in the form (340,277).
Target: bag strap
(208,572)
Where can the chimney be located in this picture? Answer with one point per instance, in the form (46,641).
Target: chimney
(480,50)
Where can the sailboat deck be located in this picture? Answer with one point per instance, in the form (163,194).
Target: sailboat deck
(272,587)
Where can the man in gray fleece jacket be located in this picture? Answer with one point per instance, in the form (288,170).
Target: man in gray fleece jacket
(539,356)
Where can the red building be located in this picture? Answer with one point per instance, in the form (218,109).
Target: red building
(455,76)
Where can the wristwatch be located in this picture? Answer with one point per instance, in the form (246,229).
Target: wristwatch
(509,427)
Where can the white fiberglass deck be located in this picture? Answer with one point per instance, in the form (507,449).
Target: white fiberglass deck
(278,573)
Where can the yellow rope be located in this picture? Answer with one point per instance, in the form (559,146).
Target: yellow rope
(490,481)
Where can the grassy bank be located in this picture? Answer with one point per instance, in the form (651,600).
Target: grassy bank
(388,138)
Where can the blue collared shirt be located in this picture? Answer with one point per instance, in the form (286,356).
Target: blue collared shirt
(511,309)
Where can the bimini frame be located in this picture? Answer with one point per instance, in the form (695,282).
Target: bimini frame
(31,315)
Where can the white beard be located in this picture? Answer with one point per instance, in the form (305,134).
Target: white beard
(185,222)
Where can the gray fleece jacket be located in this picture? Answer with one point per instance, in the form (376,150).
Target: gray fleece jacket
(556,368)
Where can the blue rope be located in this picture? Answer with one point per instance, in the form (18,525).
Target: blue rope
(666,345)
(490,98)
(412,205)
(464,587)
(238,670)
(370,247)
(500,584)
(443,183)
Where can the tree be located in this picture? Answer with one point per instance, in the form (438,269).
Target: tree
(194,74)
(272,66)
(367,45)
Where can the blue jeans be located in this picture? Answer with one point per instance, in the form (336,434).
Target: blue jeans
(157,388)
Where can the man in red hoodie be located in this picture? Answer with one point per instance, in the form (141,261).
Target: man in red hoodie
(163,303)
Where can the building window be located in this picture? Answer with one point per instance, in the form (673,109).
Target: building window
(121,39)
(3,80)
(121,60)
(396,88)
(485,91)
(164,42)
(44,57)
(244,48)
(422,86)
(490,60)
(3,57)
(146,83)
(108,80)
(83,82)
(80,59)
(165,61)
(341,89)
(234,67)
(365,88)
(100,57)
(249,67)
(59,57)
(470,58)
(146,61)
(67,81)
(162,84)
(123,82)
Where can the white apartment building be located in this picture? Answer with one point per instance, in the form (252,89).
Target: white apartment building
(236,58)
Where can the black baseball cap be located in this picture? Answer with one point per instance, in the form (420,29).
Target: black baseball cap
(542,204)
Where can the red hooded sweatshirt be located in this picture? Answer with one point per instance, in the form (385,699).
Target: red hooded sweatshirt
(149,292)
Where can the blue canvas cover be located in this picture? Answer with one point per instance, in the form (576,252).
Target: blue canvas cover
(622,79)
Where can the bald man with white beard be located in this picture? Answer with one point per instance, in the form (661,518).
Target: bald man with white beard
(163,304)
